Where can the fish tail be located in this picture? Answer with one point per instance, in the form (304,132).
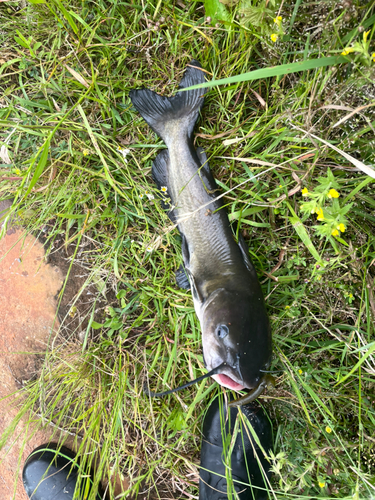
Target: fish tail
(183,108)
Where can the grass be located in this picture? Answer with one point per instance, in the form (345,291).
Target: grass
(65,73)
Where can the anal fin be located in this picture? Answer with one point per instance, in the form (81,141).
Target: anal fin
(245,253)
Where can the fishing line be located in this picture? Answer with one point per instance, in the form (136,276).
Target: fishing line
(190,214)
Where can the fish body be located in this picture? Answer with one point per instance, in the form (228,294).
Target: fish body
(227,296)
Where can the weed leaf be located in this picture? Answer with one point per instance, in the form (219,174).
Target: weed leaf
(216,11)
(40,167)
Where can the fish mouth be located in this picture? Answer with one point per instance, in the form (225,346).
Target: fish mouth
(228,382)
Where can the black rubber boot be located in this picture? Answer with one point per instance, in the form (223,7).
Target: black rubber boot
(49,474)
(244,465)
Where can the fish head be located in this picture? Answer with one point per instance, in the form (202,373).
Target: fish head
(236,331)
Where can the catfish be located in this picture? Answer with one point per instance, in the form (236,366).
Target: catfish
(228,300)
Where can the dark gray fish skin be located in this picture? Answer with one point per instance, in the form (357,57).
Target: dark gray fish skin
(227,296)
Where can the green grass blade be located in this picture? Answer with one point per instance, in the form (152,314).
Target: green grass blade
(67,16)
(98,150)
(358,364)
(40,167)
(357,189)
(366,24)
(283,69)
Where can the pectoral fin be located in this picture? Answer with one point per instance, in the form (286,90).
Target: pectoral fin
(245,253)
(182,279)
(194,288)
(185,280)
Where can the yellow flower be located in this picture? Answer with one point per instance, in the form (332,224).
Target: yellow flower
(287,307)
(305,192)
(322,484)
(18,171)
(300,371)
(278,20)
(365,35)
(328,429)
(373,56)
(320,214)
(335,232)
(347,51)
(274,37)
(341,227)
(85,152)
(333,193)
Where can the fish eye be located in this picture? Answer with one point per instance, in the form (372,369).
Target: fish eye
(222,331)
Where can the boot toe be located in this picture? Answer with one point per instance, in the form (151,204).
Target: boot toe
(249,467)
(49,473)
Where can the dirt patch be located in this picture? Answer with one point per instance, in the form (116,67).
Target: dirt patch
(78,298)
(30,286)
